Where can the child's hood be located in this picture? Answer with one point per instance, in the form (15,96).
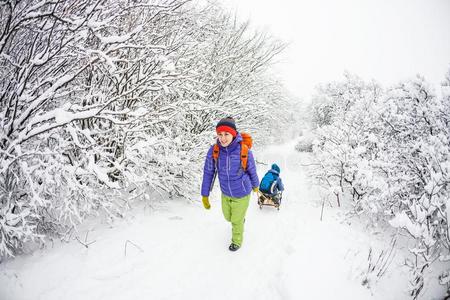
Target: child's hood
(275,169)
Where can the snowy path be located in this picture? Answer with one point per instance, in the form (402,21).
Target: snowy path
(287,254)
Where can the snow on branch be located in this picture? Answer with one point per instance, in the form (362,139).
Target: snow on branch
(385,152)
(96,96)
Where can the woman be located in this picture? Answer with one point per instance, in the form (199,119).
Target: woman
(236,184)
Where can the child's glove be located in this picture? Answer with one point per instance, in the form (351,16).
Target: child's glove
(206,202)
(255,189)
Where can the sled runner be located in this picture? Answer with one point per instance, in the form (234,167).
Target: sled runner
(268,200)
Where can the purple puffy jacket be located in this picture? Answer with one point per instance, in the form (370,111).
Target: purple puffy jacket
(234,182)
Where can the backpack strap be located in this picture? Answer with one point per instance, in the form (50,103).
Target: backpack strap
(244,156)
(215,153)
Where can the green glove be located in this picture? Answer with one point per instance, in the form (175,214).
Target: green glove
(206,202)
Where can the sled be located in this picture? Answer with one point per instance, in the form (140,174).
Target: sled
(267,200)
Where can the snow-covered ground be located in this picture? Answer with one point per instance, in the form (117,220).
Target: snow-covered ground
(178,250)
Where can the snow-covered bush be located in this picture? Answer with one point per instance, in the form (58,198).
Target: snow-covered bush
(304,144)
(389,152)
(98,97)
(344,145)
(417,146)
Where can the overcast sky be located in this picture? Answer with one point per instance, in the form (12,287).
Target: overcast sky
(385,40)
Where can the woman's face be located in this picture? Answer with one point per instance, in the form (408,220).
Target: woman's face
(225,138)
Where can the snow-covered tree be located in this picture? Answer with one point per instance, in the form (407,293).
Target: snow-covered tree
(344,145)
(389,151)
(100,98)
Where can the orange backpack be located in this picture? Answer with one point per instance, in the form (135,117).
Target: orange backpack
(246,144)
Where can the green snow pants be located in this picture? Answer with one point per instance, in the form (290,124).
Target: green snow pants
(234,210)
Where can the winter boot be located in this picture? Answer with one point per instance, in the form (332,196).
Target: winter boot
(233,247)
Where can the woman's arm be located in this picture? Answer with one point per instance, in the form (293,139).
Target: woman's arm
(251,170)
(208,173)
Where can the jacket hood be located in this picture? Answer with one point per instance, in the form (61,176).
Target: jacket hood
(275,169)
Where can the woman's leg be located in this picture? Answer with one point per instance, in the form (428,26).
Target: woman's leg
(226,207)
(238,210)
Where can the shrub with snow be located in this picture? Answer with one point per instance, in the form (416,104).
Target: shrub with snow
(388,151)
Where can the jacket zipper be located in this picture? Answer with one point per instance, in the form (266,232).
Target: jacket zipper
(228,171)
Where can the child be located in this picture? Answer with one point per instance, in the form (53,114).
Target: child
(271,183)
(235,183)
